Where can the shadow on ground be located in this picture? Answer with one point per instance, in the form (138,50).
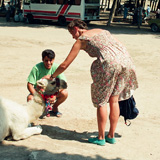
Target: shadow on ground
(56,132)
(10,152)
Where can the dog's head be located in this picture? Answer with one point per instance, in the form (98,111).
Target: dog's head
(50,87)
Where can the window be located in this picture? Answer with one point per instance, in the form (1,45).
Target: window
(35,1)
(26,1)
(91,1)
(51,1)
(77,2)
(38,1)
(71,2)
(60,1)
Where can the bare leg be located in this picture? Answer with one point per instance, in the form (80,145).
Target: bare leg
(114,115)
(61,97)
(101,119)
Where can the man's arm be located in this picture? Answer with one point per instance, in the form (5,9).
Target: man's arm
(30,88)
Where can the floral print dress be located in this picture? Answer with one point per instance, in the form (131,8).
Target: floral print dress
(113,72)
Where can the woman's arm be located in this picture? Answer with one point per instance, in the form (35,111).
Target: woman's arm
(71,56)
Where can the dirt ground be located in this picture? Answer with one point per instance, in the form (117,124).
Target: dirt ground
(65,138)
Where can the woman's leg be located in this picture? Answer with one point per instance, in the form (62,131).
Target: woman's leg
(114,115)
(101,120)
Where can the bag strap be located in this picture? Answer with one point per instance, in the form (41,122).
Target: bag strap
(129,122)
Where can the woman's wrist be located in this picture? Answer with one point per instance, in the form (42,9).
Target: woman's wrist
(52,76)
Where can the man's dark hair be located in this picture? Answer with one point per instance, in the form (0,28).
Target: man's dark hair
(49,53)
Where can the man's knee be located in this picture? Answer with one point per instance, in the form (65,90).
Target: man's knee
(63,94)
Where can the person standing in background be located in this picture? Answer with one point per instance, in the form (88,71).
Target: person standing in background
(148,11)
(158,13)
(8,12)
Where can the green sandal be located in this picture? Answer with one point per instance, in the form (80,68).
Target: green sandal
(97,141)
(110,140)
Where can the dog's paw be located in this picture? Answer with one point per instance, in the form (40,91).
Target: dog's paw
(39,128)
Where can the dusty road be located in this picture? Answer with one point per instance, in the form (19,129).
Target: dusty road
(65,138)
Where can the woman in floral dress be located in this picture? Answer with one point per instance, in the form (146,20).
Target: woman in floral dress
(113,74)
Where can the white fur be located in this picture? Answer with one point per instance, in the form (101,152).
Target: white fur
(14,118)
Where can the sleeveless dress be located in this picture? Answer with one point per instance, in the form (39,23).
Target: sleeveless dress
(113,72)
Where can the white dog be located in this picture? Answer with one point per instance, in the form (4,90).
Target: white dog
(15,118)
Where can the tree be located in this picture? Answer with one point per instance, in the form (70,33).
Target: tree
(112,12)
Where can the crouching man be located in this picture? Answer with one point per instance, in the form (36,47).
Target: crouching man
(47,67)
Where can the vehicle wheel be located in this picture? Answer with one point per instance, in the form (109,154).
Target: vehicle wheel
(30,18)
(154,27)
(62,21)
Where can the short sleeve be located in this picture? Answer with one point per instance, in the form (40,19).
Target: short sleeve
(32,76)
(60,76)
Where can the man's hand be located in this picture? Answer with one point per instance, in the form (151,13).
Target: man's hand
(47,77)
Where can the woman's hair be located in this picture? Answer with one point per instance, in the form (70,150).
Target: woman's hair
(49,53)
(78,23)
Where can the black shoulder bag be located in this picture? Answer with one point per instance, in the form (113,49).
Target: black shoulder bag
(128,109)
